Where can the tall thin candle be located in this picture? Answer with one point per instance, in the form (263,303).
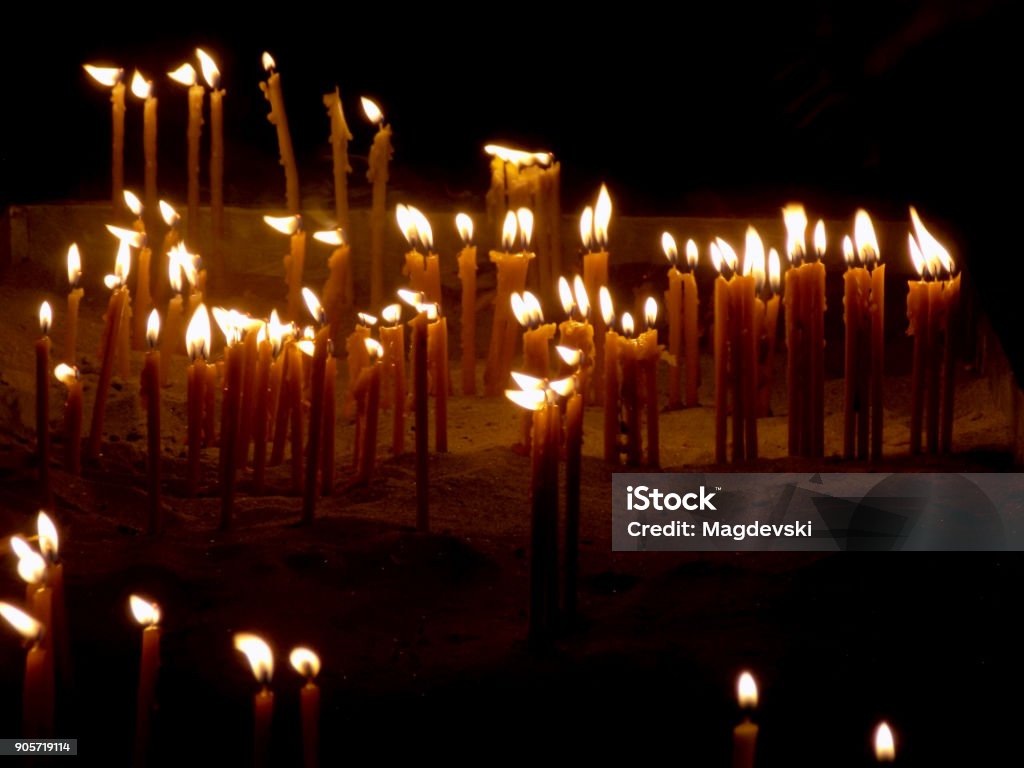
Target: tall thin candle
(272,92)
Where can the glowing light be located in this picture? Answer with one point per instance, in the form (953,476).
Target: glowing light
(286,225)
(668,245)
(746,691)
(604,298)
(582,299)
(753,256)
(935,254)
(774,271)
(728,254)
(330,237)
(366,319)
(916,256)
(864,235)
(268,62)
(108,76)
(464,224)
(313,304)
(211,74)
(412,298)
(532,400)
(587,227)
(524,216)
(628,326)
(168,214)
(145,612)
(885,744)
(74,265)
(526,382)
(423,228)
(372,111)
(518,157)
(563,387)
(31,565)
(23,624)
(520,310)
(795,219)
(391,314)
(819,239)
(152,328)
(602,217)
(508,231)
(305,662)
(260,657)
(565,296)
(650,312)
(185,74)
(45,318)
(66,374)
(373,349)
(691,254)
(130,236)
(571,357)
(141,87)
(131,200)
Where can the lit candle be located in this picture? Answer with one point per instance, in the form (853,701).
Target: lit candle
(281,339)
(419,383)
(392,337)
(885,744)
(261,409)
(744,735)
(437,361)
(721,354)
(43,396)
(512,271)
(674,308)
(340,137)
(197,340)
(272,92)
(294,261)
(855,298)
(770,332)
(75,293)
(316,406)
(648,355)
(467,276)
(576,332)
(594,233)
(143,299)
(111,331)
(917,316)
(128,238)
(377,175)
(250,361)
(261,660)
(307,663)
(367,390)
(187,76)
(230,410)
(749,335)
(814,286)
(37,694)
(337,290)
(111,78)
(211,74)
(330,407)
(175,310)
(151,398)
(68,376)
(690,341)
(629,388)
(356,351)
(537,336)
(143,89)
(49,547)
(172,239)
(611,380)
(296,371)
(147,614)
(573,466)
(797,332)
(867,248)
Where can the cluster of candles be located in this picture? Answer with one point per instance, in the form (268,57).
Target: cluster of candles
(42,626)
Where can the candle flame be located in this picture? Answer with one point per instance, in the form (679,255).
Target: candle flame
(185,74)
(774,271)
(571,357)
(604,298)
(45,318)
(691,254)
(372,110)
(668,245)
(526,382)
(31,565)
(286,225)
(531,400)
(534,308)
(753,257)
(431,310)
(131,200)
(316,309)
(508,231)
(916,256)
(728,254)
(198,333)
(108,76)
(651,312)
(330,236)
(175,266)
(122,264)
(146,613)
(864,234)
(26,626)
(277,331)
(464,224)
(225,320)
(848,254)
(935,253)
(518,157)
(141,87)
(168,214)
(306,347)
(819,239)
(587,227)
(563,387)
(525,218)
(305,662)
(885,745)
(66,374)
(268,62)
(412,298)
(406,223)
(628,326)
(520,310)
(391,314)
(260,657)
(373,349)
(796,231)
(565,296)
(366,319)
(716,258)
(602,217)
(582,299)
(746,691)
(153,328)
(49,539)
(423,228)
(211,74)
(74,265)
(132,237)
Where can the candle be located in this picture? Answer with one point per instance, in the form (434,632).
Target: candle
(750,331)
(307,663)
(769,333)
(143,89)
(419,381)
(357,358)
(316,407)
(272,92)
(211,74)
(229,323)
(437,361)
(576,332)
(294,261)
(261,660)
(856,289)
(279,383)
(573,467)
(186,75)
(744,736)
(594,232)
(147,614)
(111,331)
(68,376)
(611,380)
(512,271)
(197,340)
(885,744)
(648,355)
(49,547)
(630,388)
(37,694)
(377,175)
(368,392)
(337,290)
(340,137)
(296,369)
(260,412)
(43,396)
(392,337)
(917,316)
(128,239)
(151,399)
(171,243)
(690,341)
(327,460)
(467,276)
(143,300)
(815,284)
(537,336)
(175,310)
(111,77)
(867,248)
(721,352)
(75,293)
(674,308)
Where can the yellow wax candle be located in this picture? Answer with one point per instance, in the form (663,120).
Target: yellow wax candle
(337,290)
(674,310)
(75,293)
(377,175)
(111,77)
(261,660)
(690,340)
(307,664)
(186,75)
(392,337)
(467,276)
(340,137)
(594,233)
(143,89)
(272,92)
(212,76)
(147,614)
(745,734)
